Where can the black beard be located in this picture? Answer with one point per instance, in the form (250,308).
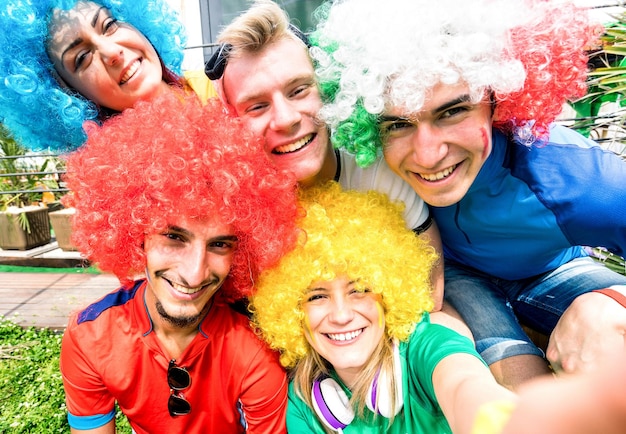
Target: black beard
(179,321)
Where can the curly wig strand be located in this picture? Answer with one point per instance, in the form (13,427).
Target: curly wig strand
(361,235)
(530,54)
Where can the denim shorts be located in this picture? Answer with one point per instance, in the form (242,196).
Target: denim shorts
(493,308)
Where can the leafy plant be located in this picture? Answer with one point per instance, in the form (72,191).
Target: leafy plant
(606,84)
(611,260)
(24,181)
(31,389)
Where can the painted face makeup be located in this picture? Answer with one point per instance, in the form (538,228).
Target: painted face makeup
(344,324)
(439,150)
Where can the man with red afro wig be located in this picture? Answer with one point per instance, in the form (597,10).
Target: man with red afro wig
(180,194)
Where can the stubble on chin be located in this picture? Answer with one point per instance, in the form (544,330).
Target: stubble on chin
(181,321)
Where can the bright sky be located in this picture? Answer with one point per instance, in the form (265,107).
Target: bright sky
(190,14)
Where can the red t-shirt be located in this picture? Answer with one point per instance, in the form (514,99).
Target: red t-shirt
(110,353)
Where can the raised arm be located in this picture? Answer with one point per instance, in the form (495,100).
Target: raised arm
(588,403)
(463,386)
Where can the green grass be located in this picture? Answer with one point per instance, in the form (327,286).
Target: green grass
(26,269)
(31,390)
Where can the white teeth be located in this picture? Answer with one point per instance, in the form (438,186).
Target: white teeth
(186,290)
(439,175)
(131,71)
(293,146)
(344,336)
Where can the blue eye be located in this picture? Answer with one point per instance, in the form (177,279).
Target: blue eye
(300,89)
(255,108)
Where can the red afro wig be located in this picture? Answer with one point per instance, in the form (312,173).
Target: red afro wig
(173,157)
(553,49)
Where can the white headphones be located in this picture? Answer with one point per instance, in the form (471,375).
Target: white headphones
(332,404)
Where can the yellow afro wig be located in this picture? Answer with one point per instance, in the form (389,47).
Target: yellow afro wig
(360,235)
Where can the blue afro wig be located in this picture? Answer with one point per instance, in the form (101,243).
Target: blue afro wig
(34,107)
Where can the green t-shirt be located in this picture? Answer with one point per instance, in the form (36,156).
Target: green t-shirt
(425,348)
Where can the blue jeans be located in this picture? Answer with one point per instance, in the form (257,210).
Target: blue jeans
(493,308)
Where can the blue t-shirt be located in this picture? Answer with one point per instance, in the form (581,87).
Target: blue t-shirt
(531,209)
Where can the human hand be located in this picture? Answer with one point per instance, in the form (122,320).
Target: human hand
(589,403)
(592,329)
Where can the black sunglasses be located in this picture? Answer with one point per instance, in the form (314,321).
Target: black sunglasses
(178,379)
(214,67)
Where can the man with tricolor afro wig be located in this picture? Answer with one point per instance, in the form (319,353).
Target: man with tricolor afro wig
(460,99)
(348,308)
(183,195)
(528,55)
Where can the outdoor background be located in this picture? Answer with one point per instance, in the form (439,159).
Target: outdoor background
(205,18)
(31,393)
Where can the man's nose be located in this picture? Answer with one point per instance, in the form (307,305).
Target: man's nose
(195,267)
(284,115)
(341,311)
(428,147)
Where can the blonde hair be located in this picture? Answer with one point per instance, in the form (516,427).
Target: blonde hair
(313,366)
(262,24)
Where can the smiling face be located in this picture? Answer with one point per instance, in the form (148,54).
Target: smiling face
(344,324)
(106,61)
(275,93)
(186,265)
(440,150)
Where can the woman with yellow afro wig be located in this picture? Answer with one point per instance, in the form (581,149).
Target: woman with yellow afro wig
(348,311)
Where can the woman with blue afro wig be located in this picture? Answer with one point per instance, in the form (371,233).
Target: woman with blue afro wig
(50,49)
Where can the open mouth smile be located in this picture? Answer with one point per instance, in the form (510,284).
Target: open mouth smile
(295,146)
(344,336)
(439,175)
(130,71)
(186,290)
